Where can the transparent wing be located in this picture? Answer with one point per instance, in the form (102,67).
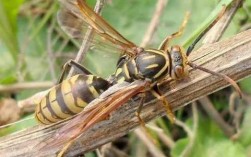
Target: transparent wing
(96,112)
(75,18)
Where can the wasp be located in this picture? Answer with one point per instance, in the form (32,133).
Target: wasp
(70,96)
(143,69)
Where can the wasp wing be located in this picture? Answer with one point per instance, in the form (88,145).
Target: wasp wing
(98,111)
(75,17)
(76,28)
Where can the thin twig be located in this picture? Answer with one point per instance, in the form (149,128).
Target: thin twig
(61,33)
(236,109)
(217,31)
(184,127)
(213,113)
(86,41)
(25,86)
(238,113)
(187,151)
(50,56)
(110,150)
(231,105)
(67,56)
(160,6)
(150,145)
(168,141)
(28,105)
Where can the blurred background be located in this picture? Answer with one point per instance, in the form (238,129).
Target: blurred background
(33,50)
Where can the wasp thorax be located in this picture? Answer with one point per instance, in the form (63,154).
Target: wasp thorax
(178,63)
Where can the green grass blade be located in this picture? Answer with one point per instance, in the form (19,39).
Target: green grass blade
(205,23)
(8,25)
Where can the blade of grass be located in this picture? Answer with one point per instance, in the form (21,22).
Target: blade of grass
(44,20)
(205,23)
(24,123)
(8,25)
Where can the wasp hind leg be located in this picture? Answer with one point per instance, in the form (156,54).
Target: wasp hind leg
(156,92)
(65,148)
(137,113)
(72,63)
(141,121)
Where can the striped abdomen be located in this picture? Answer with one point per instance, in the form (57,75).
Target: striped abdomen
(150,64)
(69,98)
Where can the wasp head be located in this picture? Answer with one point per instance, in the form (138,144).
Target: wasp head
(178,63)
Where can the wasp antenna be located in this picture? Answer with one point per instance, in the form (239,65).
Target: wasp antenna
(225,77)
(191,47)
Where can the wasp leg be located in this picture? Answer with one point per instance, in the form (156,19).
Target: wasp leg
(80,67)
(72,63)
(141,121)
(137,113)
(156,92)
(166,41)
(65,68)
(65,148)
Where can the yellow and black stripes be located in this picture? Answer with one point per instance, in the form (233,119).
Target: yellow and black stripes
(69,97)
(150,64)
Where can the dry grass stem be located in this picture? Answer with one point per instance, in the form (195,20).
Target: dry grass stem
(217,31)
(160,6)
(215,116)
(148,142)
(86,41)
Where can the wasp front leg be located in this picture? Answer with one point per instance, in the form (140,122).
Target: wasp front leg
(165,43)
